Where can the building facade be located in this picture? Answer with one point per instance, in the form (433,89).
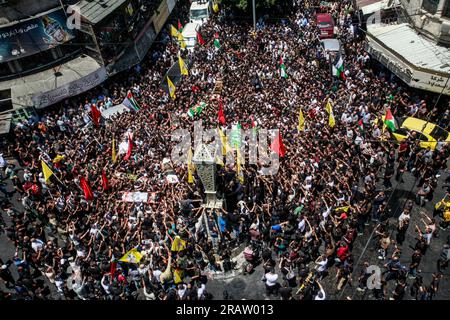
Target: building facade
(430,17)
(51,50)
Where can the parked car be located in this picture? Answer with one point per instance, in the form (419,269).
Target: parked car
(428,133)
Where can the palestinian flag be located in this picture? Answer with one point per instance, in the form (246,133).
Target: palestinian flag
(180,26)
(216,41)
(389,120)
(338,67)
(361,125)
(200,39)
(283,73)
(130,103)
(197,109)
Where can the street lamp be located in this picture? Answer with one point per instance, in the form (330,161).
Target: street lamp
(254,15)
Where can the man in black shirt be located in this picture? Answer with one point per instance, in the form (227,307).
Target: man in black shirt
(285,291)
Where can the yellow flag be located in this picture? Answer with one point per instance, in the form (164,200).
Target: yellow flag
(189,166)
(171,88)
(216,7)
(184,71)
(114,155)
(173,31)
(58,158)
(345,209)
(181,40)
(331,120)
(301,121)
(238,165)
(178,244)
(223,140)
(132,256)
(46,171)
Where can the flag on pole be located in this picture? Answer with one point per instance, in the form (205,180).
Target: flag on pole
(200,39)
(181,41)
(88,195)
(46,171)
(278,146)
(197,109)
(331,120)
(221,115)
(173,31)
(338,67)
(112,268)
(361,125)
(171,88)
(389,120)
(130,148)
(224,142)
(236,136)
(105,183)
(183,70)
(180,26)
(216,41)
(58,158)
(130,102)
(178,244)
(239,161)
(301,121)
(283,73)
(190,167)
(132,256)
(95,114)
(113,151)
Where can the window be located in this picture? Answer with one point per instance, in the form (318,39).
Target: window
(430,5)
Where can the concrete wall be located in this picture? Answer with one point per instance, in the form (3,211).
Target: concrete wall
(434,26)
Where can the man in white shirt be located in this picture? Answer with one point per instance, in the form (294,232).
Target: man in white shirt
(272,284)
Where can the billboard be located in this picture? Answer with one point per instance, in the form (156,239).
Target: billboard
(34,35)
(45,99)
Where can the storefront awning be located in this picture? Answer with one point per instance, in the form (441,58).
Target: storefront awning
(95,11)
(416,60)
(56,84)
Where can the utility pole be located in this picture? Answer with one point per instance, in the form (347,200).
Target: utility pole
(254,15)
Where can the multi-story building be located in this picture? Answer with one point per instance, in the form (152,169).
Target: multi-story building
(415,45)
(430,17)
(51,50)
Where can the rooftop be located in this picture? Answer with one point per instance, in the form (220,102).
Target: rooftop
(96,10)
(412,47)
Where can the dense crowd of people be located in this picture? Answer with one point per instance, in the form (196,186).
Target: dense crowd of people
(303,221)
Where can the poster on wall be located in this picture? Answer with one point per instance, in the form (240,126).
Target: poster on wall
(34,35)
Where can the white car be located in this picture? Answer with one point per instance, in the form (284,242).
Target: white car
(330,47)
(190,35)
(200,11)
